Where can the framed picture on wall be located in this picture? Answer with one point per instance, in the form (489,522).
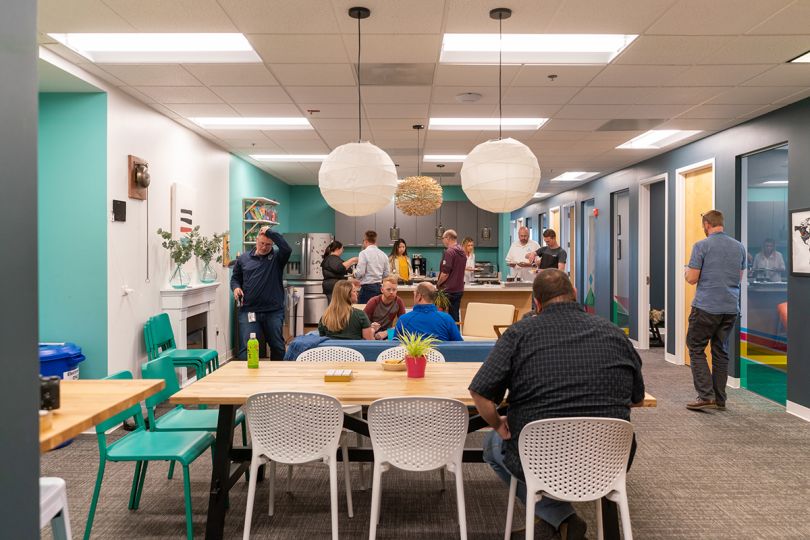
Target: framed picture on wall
(800,242)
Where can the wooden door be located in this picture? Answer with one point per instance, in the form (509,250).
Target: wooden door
(698,191)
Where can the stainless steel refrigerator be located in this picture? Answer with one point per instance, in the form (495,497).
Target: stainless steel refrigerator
(304,270)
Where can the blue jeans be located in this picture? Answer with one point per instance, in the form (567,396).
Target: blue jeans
(549,510)
(267,328)
(367,292)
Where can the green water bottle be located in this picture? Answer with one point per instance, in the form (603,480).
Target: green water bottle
(253,352)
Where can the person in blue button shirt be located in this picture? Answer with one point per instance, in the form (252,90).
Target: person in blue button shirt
(716,266)
(258,286)
(426,319)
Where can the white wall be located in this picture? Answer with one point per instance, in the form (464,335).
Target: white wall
(175,154)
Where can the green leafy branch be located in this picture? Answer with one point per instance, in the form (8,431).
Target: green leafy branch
(180,250)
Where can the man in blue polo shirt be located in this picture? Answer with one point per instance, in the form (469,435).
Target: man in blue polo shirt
(258,285)
(426,319)
(716,266)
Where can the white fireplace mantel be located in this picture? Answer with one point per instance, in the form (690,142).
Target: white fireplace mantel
(180,304)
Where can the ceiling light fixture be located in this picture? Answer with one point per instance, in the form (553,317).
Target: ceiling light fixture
(540,195)
(146,48)
(801,59)
(468,124)
(289,158)
(444,158)
(241,122)
(775,183)
(533,48)
(574,176)
(657,138)
(500,175)
(358,179)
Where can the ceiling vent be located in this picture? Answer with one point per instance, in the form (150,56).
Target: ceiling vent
(397,74)
(630,124)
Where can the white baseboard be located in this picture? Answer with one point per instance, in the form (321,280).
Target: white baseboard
(672,359)
(733,382)
(798,410)
(635,343)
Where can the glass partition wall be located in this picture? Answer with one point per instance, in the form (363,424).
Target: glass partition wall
(587,285)
(764,220)
(620,227)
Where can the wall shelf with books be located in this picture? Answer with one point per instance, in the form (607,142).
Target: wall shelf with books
(257,212)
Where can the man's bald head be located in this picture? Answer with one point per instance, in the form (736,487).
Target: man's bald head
(523,235)
(425,293)
(552,286)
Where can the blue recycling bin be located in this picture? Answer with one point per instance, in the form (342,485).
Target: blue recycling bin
(60,359)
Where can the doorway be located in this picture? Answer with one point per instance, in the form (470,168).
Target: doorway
(694,196)
(542,225)
(652,261)
(620,260)
(587,285)
(554,221)
(567,236)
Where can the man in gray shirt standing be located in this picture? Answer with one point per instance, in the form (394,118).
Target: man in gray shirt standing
(372,267)
(716,266)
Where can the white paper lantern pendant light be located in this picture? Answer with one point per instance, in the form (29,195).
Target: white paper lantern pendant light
(500,175)
(358,179)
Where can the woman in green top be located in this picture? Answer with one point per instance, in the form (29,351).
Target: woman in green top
(341,320)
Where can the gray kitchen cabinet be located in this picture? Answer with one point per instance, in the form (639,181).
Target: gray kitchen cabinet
(383,221)
(344,229)
(407,228)
(467,221)
(487,235)
(426,230)
(448,217)
(363,224)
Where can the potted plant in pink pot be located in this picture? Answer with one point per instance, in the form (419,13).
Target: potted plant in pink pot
(416,349)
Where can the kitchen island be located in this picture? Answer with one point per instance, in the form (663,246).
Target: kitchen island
(519,296)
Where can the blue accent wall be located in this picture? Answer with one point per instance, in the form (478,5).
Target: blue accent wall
(72,221)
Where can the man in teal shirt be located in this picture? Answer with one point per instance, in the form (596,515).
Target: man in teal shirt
(716,266)
(426,319)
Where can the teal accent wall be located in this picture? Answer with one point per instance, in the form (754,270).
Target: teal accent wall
(309,211)
(246,180)
(72,221)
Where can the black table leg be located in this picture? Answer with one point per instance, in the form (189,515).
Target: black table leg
(220,474)
(610,520)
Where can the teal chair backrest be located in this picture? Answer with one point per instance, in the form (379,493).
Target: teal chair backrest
(161,368)
(132,412)
(160,333)
(151,351)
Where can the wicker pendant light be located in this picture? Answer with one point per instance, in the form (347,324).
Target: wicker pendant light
(418,195)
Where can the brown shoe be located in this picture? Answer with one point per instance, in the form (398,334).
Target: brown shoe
(700,404)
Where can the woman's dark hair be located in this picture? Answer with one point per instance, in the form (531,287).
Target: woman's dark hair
(334,246)
(395,248)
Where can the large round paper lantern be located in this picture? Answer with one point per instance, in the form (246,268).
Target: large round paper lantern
(357,179)
(500,175)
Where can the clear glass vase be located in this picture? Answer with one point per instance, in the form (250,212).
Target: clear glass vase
(206,272)
(179,278)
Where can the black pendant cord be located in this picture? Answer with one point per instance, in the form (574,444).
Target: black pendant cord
(418,155)
(359,98)
(500,83)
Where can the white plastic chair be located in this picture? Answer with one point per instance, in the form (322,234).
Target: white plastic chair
(399,352)
(53,507)
(577,460)
(295,428)
(417,434)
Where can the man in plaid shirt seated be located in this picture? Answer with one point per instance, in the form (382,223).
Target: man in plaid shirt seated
(563,362)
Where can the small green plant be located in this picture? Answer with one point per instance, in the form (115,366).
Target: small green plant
(442,301)
(180,250)
(416,345)
(205,248)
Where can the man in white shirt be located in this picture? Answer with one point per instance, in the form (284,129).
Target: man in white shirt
(372,267)
(769,265)
(516,259)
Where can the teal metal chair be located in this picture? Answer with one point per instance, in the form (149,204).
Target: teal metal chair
(162,342)
(142,446)
(153,352)
(179,418)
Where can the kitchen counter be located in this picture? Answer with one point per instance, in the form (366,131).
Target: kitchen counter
(519,296)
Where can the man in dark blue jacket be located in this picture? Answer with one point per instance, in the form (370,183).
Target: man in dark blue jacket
(258,285)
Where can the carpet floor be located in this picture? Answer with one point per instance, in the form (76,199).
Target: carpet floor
(738,474)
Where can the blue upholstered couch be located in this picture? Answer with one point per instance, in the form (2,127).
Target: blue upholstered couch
(453,351)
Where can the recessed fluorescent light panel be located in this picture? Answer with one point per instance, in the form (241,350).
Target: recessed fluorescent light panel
(294,158)
(657,138)
(533,48)
(803,59)
(775,183)
(241,122)
(540,195)
(574,176)
(478,124)
(160,48)
(444,158)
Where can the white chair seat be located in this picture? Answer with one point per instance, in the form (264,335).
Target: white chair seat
(399,352)
(53,506)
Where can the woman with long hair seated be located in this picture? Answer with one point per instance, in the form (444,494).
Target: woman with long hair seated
(341,320)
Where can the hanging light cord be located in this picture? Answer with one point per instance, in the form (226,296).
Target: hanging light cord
(359,98)
(418,155)
(500,83)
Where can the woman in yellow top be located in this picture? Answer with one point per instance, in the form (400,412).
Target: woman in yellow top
(399,261)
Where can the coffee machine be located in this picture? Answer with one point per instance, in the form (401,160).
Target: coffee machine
(419,265)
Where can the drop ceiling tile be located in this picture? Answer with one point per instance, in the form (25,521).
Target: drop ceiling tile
(396,94)
(417,16)
(472,75)
(414,111)
(656,50)
(783,75)
(615,75)
(323,94)
(335,138)
(582,112)
(339,124)
(609,95)
(174,16)
(607,16)
(702,124)
(252,94)
(395,48)
(101,74)
(573,124)
(330,110)
(755,95)
(266,109)
(719,111)
(467,110)
(282,16)
(791,20)
(550,95)
(718,75)
(249,135)
(203,109)
(303,147)
(433,137)
(58,16)
(179,94)
(472,16)
(393,124)
(545,135)
(530,111)
(717,17)
(447,94)
(795,97)
(760,50)
(314,74)
(679,95)
(66,53)
(280,136)
(566,75)
(654,111)
(151,74)
(140,96)
(264,146)
(230,74)
(299,48)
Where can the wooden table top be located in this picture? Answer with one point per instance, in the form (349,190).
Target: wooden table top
(234,382)
(84,404)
